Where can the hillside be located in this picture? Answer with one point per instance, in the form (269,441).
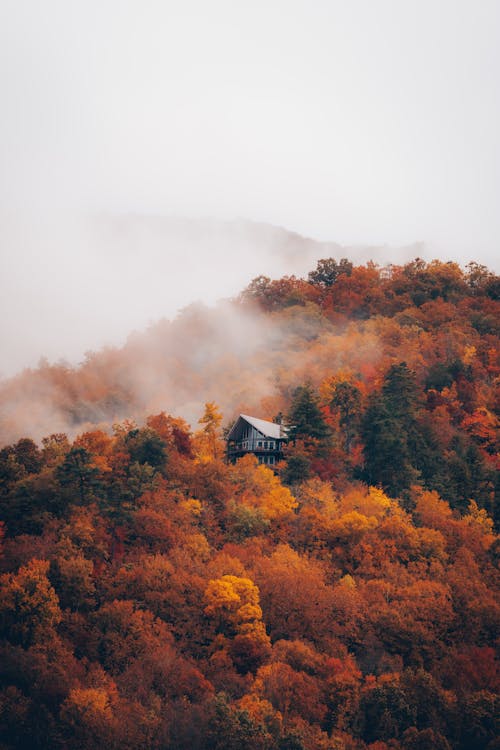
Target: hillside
(153,596)
(342,329)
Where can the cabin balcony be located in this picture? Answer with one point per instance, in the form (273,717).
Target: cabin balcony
(254,446)
(268,452)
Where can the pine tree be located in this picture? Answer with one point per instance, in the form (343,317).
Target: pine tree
(391,433)
(346,399)
(305,417)
(77,473)
(387,459)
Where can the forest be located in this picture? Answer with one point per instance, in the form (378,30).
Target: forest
(154,596)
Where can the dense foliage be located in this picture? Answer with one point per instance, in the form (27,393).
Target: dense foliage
(153,596)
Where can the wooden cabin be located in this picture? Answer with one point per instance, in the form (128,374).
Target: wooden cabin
(251,435)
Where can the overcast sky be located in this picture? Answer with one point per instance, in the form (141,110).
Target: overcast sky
(357,121)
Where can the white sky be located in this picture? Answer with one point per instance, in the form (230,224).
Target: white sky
(356,121)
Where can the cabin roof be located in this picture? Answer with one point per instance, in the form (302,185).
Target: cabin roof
(268,429)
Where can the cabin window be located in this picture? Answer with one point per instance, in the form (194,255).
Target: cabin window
(271,459)
(259,444)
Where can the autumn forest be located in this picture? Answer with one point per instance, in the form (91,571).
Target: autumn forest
(154,596)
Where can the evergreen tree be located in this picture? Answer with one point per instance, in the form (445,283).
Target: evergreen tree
(391,433)
(145,446)
(387,459)
(400,394)
(346,400)
(305,417)
(77,473)
(298,469)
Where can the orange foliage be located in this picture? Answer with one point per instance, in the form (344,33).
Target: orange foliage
(183,602)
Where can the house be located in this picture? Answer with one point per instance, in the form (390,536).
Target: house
(251,435)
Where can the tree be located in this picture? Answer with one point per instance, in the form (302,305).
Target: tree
(385,712)
(88,719)
(77,473)
(232,729)
(295,596)
(305,417)
(209,437)
(28,455)
(428,281)
(29,607)
(328,270)
(244,522)
(387,460)
(346,399)
(30,502)
(394,447)
(174,431)
(72,576)
(54,448)
(400,394)
(100,445)
(232,600)
(298,468)
(257,290)
(234,603)
(278,294)
(426,739)
(291,692)
(259,488)
(10,469)
(145,446)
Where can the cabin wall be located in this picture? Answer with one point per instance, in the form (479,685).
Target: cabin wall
(267,450)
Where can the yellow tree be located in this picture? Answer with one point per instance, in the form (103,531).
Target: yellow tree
(208,441)
(259,488)
(234,602)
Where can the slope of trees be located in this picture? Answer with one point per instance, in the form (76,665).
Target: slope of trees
(152,596)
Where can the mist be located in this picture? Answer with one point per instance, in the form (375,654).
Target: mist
(231,353)
(77,287)
(155,154)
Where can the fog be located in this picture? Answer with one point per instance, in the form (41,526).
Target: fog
(151,152)
(75,287)
(244,360)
